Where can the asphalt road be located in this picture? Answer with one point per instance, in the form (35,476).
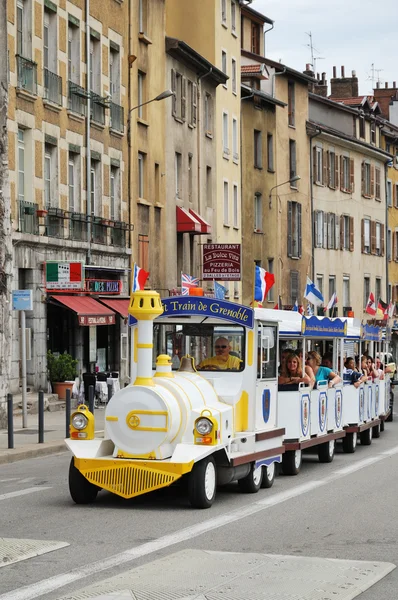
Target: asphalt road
(347,509)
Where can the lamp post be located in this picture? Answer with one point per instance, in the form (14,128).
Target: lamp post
(292,180)
(162,96)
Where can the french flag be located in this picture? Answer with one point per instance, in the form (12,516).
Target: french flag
(139,278)
(263,282)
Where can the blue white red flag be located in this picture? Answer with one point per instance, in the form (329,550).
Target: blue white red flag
(188,282)
(263,282)
(219,291)
(139,278)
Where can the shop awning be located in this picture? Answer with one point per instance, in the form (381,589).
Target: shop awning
(88,310)
(119,305)
(205,226)
(186,222)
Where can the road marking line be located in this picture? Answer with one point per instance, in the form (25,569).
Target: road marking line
(46,586)
(23,492)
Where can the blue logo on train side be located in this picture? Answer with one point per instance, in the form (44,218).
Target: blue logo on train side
(361,403)
(305,414)
(323,410)
(266,403)
(338,407)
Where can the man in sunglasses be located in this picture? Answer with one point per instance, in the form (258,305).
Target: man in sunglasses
(222,360)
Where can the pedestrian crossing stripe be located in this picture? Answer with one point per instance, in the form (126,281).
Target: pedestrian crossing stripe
(14,550)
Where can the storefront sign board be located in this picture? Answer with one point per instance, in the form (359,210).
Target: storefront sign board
(96,319)
(222,261)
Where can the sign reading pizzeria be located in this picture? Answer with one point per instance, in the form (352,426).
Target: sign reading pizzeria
(102,286)
(221,261)
(64,275)
(96,319)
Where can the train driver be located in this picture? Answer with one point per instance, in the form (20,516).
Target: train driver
(223,360)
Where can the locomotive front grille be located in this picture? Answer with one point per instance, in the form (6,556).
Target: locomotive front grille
(129,480)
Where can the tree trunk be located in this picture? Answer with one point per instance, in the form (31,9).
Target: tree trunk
(5,223)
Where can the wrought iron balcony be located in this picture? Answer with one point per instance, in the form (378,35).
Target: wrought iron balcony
(98,105)
(27,74)
(77,98)
(99,231)
(78,227)
(118,236)
(55,223)
(117,117)
(53,87)
(28,220)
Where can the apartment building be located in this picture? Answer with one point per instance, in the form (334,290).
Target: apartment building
(212,29)
(348,195)
(68,87)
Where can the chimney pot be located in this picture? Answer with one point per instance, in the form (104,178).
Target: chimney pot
(318,76)
(378,84)
(308,67)
(394,84)
(334,72)
(354,73)
(343,71)
(386,84)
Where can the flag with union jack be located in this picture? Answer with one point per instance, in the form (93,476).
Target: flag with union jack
(188,282)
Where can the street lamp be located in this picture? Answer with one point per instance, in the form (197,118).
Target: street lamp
(292,180)
(162,96)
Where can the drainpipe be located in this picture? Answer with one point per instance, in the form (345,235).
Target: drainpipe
(317,132)
(386,232)
(266,31)
(88,127)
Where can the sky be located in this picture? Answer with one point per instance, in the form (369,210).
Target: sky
(352,33)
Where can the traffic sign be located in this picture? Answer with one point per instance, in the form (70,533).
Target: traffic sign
(22,300)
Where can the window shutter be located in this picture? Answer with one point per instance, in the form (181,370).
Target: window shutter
(372,180)
(194,102)
(289,228)
(173,89)
(324,168)
(351,221)
(382,240)
(373,237)
(325,230)
(342,173)
(341,232)
(363,178)
(299,229)
(362,235)
(327,180)
(316,215)
(352,175)
(337,232)
(394,195)
(314,165)
(336,171)
(183,98)
(329,225)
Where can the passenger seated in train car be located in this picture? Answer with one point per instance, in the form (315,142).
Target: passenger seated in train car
(372,371)
(327,361)
(383,368)
(321,373)
(284,354)
(350,375)
(292,374)
(222,360)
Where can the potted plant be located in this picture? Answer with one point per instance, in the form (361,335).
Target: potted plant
(41,212)
(62,371)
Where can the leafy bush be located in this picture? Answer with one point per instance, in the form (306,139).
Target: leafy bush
(61,368)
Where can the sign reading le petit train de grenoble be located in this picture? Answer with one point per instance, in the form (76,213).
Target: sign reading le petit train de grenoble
(221,261)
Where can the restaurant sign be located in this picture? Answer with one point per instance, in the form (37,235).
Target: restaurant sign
(221,261)
(96,319)
(102,286)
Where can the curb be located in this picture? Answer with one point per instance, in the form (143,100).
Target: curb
(31,451)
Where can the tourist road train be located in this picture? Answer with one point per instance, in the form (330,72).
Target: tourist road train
(183,421)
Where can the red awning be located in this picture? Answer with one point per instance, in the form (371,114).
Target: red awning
(186,222)
(119,305)
(88,310)
(205,226)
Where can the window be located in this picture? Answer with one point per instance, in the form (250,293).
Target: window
(389,244)
(226,203)
(190,177)
(258,213)
(295,292)
(142,16)
(270,296)
(255,42)
(258,150)
(366,236)
(235,139)
(347,233)
(96,192)
(270,152)
(366,290)
(50,176)
(318,166)
(367,180)
(192,103)
(224,63)
(95,65)
(233,17)
(378,289)
(73,53)
(319,227)
(346,291)
(209,187)
(235,206)
(143,251)
(115,212)
(378,250)
(362,127)
(332,170)
(114,75)
(224,12)
(74,181)
(20,28)
(331,231)
(294,229)
(225,134)
(389,189)
(332,285)
(319,283)
(141,175)
(396,245)
(21,165)
(178,86)
(141,111)
(291,103)
(292,162)
(346,174)
(178,174)
(24,28)
(234,76)
(208,114)
(372,132)
(396,195)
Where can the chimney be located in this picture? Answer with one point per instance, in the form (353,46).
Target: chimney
(384,97)
(386,84)
(344,87)
(321,87)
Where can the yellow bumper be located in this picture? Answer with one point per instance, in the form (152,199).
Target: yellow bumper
(129,478)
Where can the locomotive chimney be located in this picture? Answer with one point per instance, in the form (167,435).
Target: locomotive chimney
(145,306)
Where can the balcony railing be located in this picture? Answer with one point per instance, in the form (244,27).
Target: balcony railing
(55,223)
(53,87)
(28,220)
(78,227)
(98,105)
(117,117)
(77,98)
(118,236)
(27,74)
(99,231)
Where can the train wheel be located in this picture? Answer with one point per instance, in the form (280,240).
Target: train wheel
(382,426)
(326,452)
(203,483)
(291,462)
(350,442)
(366,436)
(376,431)
(252,482)
(268,476)
(81,490)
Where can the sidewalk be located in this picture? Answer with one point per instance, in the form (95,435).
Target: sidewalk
(26,440)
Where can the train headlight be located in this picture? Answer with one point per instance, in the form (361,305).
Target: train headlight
(79,421)
(203,426)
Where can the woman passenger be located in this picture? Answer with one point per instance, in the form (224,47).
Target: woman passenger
(292,374)
(321,373)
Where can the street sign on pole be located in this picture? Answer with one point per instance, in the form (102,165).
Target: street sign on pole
(22,300)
